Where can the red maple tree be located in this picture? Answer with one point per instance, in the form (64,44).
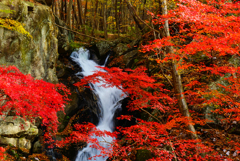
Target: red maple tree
(29,98)
(199,42)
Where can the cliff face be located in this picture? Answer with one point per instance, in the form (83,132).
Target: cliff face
(37,55)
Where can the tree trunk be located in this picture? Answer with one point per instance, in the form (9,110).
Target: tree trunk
(116,17)
(94,18)
(79,3)
(61,11)
(65,11)
(120,16)
(69,12)
(143,11)
(105,19)
(132,11)
(85,17)
(74,17)
(177,82)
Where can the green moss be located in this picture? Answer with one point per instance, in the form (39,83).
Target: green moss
(136,60)
(7,11)
(74,45)
(14,26)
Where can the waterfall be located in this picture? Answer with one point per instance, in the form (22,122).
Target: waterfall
(108,102)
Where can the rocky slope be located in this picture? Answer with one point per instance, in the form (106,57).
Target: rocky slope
(36,55)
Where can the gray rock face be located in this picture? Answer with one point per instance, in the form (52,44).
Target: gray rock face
(17,142)
(104,47)
(36,56)
(120,49)
(13,126)
(14,131)
(129,57)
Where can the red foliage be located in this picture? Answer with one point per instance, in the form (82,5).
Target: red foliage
(30,98)
(207,31)
(147,135)
(205,35)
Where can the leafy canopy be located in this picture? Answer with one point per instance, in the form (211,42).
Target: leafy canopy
(205,37)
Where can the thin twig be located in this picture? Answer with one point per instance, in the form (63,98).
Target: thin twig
(151,115)
(165,76)
(81,33)
(140,18)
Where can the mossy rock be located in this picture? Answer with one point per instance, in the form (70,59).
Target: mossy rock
(37,55)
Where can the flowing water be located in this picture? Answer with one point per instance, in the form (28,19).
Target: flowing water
(108,102)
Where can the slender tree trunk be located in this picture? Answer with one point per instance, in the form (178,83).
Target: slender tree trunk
(75,22)
(57,8)
(85,16)
(79,4)
(116,16)
(105,19)
(132,11)
(143,11)
(94,18)
(65,10)
(69,9)
(85,12)
(73,17)
(53,7)
(120,16)
(124,11)
(177,82)
(101,18)
(61,11)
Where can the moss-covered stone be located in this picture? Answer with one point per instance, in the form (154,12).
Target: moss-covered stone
(104,47)
(120,49)
(38,55)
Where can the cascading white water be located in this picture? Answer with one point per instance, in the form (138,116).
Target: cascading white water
(108,104)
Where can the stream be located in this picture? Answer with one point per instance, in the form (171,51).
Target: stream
(108,102)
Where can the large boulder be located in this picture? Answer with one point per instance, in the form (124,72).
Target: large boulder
(37,55)
(103,47)
(16,142)
(17,132)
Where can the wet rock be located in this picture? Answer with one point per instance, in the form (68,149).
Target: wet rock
(17,142)
(37,147)
(14,126)
(8,141)
(129,57)
(120,49)
(104,47)
(17,132)
(24,143)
